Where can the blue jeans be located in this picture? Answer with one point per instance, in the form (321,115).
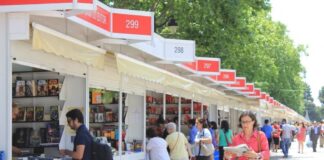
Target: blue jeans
(285,146)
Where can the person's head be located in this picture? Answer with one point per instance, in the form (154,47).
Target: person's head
(266,121)
(284,121)
(302,124)
(248,121)
(15,111)
(191,123)
(213,125)
(171,127)
(161,122)
(224,125)
(74,118)
(150,133)
(201,124)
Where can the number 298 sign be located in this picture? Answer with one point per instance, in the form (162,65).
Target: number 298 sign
(179,50)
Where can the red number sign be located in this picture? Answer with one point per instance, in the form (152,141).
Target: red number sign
(132,24)
(208,65)
(240,82)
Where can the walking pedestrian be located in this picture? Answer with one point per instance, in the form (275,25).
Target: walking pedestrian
(322,135)
(301,136)
(203,137)
(267,129)
(287,130)
(225,136)
(156,146)
(254,139)
(276,136)
(314,135)
(178,144)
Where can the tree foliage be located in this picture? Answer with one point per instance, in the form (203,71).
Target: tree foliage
(321,96)
(241,33)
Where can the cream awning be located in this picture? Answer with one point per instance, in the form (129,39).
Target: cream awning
(52,41)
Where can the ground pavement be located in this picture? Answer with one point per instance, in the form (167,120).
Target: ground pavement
(294,155)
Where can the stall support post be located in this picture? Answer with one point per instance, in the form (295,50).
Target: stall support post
(179,114)
(120,116)
(202,110)
(192,109)
(6,88)
(87,118)
(144,128)
(164,106)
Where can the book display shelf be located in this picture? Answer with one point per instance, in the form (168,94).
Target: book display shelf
(154,108)
(36,92)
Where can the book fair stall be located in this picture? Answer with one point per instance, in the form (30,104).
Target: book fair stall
(59,55)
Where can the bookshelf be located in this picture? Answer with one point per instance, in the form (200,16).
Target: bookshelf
(37,94)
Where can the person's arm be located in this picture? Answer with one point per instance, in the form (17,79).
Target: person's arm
(78,154)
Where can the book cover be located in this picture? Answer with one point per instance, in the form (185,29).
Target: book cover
(39,113)
(42,88)
(20,137)
(53,133)
(30,114)
(54,113)
(96,97)
(53,87)
(21,114)
(31,88)
(20,88)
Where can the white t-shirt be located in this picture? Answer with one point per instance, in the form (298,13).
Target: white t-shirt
(205,133)
(157,149)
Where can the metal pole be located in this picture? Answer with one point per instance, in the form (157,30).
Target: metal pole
(120,115)
(179,114)
(164,106)
(192,109)
(87,99)
(144,128)
(6,88)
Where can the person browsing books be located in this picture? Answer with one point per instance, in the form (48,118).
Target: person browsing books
(254,139)
(225,136)
(83,139)
(156,146)
(203,137)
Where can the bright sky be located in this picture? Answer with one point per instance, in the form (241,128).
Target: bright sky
(305,21)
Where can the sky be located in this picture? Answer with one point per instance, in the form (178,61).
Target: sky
(305,22)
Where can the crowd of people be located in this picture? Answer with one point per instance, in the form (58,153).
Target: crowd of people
(203,138)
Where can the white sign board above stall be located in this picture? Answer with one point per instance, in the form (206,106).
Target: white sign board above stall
(179,50)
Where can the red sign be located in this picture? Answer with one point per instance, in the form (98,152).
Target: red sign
(225,76)
(99,18)
(249,88)
(271,100)
(190,65)
(257,93)
(208,65)
(263,95)
(132,24)
(26,2)
(85,1)
(240,82)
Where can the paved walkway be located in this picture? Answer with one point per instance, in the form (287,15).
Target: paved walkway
(294,155)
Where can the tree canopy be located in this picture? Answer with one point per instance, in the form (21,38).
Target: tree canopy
(241,33)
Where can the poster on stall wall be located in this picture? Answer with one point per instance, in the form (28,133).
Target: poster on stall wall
(67,138)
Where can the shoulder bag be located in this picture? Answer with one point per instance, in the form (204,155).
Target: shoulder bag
(171,149)
(207,149)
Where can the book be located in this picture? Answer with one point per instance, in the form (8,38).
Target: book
(30,114)
(20,88)
(31,88)
(238,150)
(53,133)
(21,114)
(42,88)
(39,113)
(20,137)
(96,97)
(53,87)
(54,113)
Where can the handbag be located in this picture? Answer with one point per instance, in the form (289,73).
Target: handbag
(207,149)
(227,141)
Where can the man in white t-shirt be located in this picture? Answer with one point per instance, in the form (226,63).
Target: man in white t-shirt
(156,146)
(287,130)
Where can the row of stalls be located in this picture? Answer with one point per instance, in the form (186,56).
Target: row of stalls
(109,63)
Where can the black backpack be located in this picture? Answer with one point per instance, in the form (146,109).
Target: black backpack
(101,151)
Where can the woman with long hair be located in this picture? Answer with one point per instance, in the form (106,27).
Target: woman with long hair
(254,139)
(225,136)
(301,136)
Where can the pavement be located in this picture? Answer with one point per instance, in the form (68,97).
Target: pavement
(294,155)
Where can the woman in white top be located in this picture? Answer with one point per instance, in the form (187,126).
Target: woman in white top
(203,141)
(156,147)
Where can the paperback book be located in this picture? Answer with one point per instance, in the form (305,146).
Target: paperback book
(39,113)
(31,89)
(54,113)
(20,88)
(42,88)
(30,114)
(53,87)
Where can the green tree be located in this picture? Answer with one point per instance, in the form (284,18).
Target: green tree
(241,33)
(321,96)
